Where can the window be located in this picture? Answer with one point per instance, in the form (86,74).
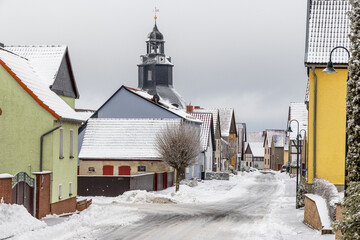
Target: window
(71,143)
(149,76)
(70,189)
(91,169)
(60,195)
(61,148)
(141,169)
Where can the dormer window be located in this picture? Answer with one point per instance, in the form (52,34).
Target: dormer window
(149,75)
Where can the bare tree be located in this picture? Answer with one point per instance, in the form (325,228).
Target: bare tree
(178,146)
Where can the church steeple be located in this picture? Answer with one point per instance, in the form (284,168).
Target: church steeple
(155,42)
(156,69)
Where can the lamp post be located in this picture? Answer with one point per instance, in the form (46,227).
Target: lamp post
(297,156)
(305,147)
(330,69)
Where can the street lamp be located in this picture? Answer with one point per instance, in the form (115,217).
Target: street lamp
(330,69)
(297,156)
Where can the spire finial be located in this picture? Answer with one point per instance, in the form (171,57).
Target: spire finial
(155,11)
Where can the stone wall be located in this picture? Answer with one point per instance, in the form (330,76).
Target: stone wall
(66,206)
(339,217)
(311,214)
(217,176)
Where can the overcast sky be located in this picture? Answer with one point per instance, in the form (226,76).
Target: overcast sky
(244,54)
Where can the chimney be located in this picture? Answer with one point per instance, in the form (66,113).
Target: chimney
(189,108)
(197,107)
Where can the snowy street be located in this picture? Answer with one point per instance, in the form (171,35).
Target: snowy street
(249,206)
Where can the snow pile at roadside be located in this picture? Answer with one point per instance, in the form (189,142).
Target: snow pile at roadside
(328,191)
(205,192)
(86,224)
(15,219)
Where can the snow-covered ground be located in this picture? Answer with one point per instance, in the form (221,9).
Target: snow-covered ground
(248,206)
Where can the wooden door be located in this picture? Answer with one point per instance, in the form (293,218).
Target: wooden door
(124,170)
(108,170)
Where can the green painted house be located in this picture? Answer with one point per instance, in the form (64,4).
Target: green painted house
(38,123)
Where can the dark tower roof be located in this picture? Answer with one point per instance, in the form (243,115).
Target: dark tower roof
(155,34)
(156,70)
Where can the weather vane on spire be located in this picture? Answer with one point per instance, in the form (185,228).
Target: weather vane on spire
(155,11)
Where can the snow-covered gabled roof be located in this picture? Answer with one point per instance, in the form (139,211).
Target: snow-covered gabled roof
(255,137)
(257,149)
(131,139)
(272,132)
(299,112)
(45,59)
(328,26)
(278,140)
(85,113)
(226,118)
(25,74)
(206,128)
(164,104)
(215,114)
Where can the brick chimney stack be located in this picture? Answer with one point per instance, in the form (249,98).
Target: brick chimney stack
(189,108)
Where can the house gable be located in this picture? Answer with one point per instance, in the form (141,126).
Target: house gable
(248,150)
(64,83)
(126,104)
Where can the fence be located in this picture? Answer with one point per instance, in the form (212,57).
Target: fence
(111,186)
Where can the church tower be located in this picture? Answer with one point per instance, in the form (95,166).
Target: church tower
(156,70)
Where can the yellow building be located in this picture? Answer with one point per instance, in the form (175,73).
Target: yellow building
(326,95)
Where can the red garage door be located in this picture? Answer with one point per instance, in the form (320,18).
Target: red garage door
(124,170)
(108,170)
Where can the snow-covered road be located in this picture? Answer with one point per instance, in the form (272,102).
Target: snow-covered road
(248,206)
(204,221)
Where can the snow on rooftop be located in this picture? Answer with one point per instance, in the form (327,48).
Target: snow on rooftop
(122,138)
(205,129)
(85,113)
(28,75)
(279,140)
(328,27)
(299,112)
(225,120)
(165,104)
(255,137)
(45,59)
(272,132)
(215,114)
(257,149)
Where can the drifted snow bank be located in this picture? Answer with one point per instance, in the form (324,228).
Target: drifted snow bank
(329,192)
(205,192)
(15,219)
(86,224)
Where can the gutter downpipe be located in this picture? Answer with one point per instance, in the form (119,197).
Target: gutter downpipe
(314,134)
(41,142)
